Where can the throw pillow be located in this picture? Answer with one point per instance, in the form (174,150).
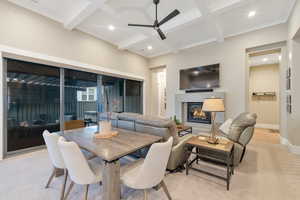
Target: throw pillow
(226,126)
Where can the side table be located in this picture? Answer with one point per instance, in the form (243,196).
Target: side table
(220,153)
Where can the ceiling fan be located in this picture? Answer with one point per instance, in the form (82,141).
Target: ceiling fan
(157,24)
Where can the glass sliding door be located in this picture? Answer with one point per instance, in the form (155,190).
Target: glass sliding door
(33,104)
(34,101)
(133,96)
(80,99)
(113,94)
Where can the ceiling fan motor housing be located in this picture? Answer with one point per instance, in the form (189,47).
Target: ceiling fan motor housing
(156,2)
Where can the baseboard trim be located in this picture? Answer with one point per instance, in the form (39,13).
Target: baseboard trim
(284,141)
(292,148)
(268,126)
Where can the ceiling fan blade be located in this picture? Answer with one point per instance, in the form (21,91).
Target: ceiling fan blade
(161,34)
(170,16)
(141,25)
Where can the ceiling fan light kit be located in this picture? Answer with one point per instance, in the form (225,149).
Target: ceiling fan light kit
(156,25)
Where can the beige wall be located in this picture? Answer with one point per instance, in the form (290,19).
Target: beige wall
(293,124)
(265,78)
(231,54)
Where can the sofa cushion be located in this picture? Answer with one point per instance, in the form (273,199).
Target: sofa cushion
(128,116)
(125,124)
(239,124)
(158,122)
(158,131)
(154,121)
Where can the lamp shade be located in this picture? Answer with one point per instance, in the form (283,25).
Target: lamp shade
(213,105)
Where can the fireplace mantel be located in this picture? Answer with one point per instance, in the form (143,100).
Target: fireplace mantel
(181,101)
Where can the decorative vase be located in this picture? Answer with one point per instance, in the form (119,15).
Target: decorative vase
(104,127)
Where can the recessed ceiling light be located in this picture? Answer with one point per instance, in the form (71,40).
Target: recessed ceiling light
(149,47)
(111,28)
(252,14)
(265,59)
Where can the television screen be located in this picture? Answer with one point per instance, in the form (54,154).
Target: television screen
(204,77)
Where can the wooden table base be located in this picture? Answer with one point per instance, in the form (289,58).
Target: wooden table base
(111,181)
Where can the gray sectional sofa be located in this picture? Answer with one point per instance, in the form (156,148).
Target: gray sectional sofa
(156,126)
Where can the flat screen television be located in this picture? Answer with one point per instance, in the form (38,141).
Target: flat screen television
(200,78)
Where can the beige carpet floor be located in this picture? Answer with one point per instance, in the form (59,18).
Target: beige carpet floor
(269,171)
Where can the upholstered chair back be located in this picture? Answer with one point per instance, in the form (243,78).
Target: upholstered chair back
(51,140)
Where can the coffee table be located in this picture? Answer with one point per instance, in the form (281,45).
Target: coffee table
(221,154)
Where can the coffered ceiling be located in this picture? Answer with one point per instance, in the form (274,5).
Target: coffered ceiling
(200,21)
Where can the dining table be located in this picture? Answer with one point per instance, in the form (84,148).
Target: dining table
(110,150)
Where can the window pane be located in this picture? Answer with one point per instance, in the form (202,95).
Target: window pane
(91,97)
(33,103)
(79,111)
(133,100)
(112,91)
(84,97)
(91,90)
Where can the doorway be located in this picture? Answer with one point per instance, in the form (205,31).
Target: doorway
(264,95)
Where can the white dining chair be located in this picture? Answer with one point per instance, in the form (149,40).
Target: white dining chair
(80,170)
(51,140)
(150,172)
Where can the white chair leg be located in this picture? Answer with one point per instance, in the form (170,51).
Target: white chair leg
(145,195)
(164,186)
(86,192)
(69,190)
(50,178)
(64,185)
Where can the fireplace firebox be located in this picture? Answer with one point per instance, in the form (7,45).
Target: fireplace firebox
(196,115)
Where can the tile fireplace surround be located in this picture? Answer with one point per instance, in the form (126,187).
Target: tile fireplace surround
(181,101)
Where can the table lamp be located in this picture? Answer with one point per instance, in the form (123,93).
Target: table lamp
(213,105)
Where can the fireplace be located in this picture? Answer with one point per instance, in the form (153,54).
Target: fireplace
(196,115)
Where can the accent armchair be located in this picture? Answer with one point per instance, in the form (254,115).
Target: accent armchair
(241,132)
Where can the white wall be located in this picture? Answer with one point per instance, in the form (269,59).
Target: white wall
(231,54)
(294,21)
(28,33)
(293,124)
